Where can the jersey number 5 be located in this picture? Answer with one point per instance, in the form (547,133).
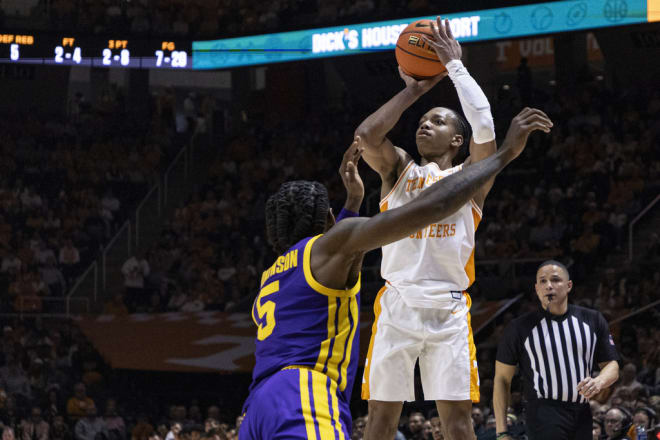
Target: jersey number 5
(266,310)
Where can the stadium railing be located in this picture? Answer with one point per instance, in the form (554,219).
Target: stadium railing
(631,227)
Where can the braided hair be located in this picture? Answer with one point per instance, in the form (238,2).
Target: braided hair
(462,128)
(297,210)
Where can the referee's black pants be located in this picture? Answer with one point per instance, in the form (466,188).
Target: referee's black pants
(554,420)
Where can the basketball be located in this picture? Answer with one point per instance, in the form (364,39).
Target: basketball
(414,55)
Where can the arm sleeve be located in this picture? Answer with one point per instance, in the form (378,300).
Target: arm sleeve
(474,103)
(345,213)
(508,349)
(605,348)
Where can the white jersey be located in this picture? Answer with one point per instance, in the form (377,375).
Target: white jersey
(433,266)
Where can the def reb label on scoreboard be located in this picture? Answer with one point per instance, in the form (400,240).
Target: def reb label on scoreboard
(112,51)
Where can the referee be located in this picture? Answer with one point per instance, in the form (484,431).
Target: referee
(556,348)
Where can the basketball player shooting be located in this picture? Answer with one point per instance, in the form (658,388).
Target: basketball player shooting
(307,309)
(423,311)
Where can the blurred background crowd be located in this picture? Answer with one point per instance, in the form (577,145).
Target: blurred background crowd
(209,18)
(68,183)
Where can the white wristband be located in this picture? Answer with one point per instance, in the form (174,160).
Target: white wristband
(473,101)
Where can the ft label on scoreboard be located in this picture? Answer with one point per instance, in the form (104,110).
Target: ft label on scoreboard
(68,52)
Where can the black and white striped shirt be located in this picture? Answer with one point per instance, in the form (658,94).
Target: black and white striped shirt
(556,352)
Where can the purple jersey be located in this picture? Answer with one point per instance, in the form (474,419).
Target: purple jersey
(303,323)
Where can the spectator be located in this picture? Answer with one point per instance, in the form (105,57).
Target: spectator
(8,433)
(213,412)
(142,429)
(436,426)
(78,405)
(53,277)
(617,424)
(43,253)
(59,429)
(415,426)
(35,428)
(114,423)
(644,418)
(51,223)
(111,203)
(53,404)
(175,431)
(427,430)
(15,379)
(135,269)
(358,428)
(90,426)
(629,377)
(209,424)
(10,261)
(597,430)
(69,259)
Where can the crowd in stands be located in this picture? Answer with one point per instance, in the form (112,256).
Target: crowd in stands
(67,184)
(55,386)
(599,168)
(576,190)
(211,254)
(209,19)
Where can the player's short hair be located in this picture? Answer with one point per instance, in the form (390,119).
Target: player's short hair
(554,263)
(462,128)
(297,210)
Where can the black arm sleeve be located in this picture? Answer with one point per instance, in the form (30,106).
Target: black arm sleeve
(605,348)
(508,349)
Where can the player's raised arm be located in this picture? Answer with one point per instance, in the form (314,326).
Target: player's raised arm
(435,203)
(381,155)
(352,182)
(474,103)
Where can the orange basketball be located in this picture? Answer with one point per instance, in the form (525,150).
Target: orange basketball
(414,55)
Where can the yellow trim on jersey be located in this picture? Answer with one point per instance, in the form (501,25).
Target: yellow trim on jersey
(325,345)
(399,180)
(335,409)
(323,290)
(340,339)
(367,365)
(321,405)
(474,372)
(476,207)
(469,266)
(306,406)
(321,408)
(296,367)
(349,346)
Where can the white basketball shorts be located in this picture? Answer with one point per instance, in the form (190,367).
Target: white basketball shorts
(441,340)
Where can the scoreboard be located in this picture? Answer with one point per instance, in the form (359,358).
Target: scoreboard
(114,51)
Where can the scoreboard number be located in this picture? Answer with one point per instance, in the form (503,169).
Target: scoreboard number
(14,52)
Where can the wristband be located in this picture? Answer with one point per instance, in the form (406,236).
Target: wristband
(502,435)
(344,213)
